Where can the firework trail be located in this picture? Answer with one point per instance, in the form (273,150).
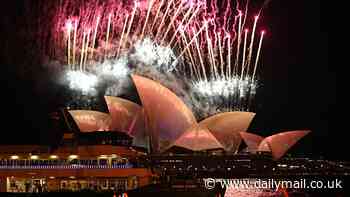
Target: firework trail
(201,50)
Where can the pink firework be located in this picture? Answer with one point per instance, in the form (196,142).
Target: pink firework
(208,41)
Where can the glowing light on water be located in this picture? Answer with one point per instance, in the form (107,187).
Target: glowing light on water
(248,188)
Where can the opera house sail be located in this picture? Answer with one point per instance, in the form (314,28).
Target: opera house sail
(108,150)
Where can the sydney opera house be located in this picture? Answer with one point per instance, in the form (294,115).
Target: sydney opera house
(104,151)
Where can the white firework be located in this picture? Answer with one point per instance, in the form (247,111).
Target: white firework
(114,69)
(225,94)
(81,81)
(150,53)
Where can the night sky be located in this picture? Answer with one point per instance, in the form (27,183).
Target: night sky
(298,86)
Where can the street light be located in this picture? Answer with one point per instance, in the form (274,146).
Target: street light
(73,156)
(14,157)
(34,157)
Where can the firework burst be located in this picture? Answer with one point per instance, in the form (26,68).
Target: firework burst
(207,43)
(81,81)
